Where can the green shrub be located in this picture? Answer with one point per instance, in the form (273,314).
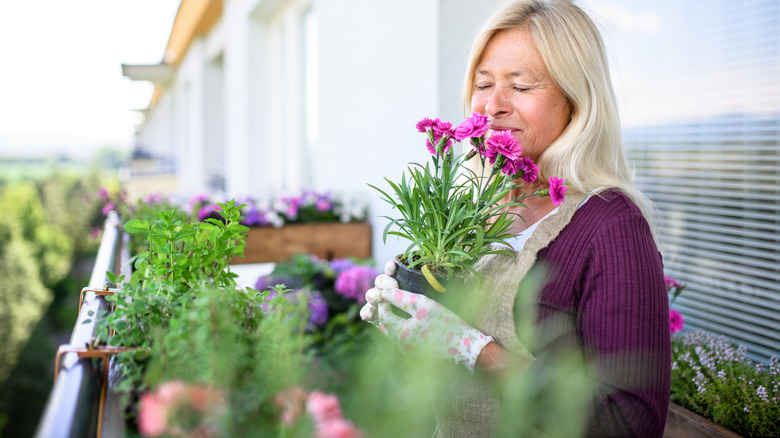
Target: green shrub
(712,377)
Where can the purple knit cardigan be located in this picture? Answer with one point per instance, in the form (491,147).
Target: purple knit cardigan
(607,298)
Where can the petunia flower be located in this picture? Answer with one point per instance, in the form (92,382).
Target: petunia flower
(355,281)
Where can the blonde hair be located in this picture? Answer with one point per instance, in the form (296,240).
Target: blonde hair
(589,155)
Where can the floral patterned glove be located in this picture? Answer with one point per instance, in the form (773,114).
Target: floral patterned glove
(431,327)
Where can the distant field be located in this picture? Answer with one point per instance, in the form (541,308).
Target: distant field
(14,169)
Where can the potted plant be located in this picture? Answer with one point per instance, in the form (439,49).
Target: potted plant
(452,214)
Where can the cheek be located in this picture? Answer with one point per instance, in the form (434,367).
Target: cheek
(478,104)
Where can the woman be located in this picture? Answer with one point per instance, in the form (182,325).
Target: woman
(539,70)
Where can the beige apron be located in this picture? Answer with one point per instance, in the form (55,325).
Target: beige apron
(464,404)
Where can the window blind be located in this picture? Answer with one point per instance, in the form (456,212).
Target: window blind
(716,185)
(704,139)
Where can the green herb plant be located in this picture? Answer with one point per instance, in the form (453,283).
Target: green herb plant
(180,259)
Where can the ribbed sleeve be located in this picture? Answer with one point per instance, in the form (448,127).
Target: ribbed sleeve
(608,298)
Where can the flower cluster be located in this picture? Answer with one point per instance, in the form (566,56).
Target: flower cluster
(712,377)
(323,409)
(180,409)
(302,207)
(329,287)
(674,288)
(449,212)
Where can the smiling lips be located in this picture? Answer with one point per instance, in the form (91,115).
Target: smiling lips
(504,128)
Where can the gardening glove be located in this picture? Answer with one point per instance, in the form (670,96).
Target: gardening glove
(370,311)
(431,327)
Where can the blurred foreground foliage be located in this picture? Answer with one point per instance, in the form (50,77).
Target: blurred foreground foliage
(45,229)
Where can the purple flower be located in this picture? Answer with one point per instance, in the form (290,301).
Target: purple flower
(208,211)
(339,265)
(355,281)
(197,199)
(318,309)
(474,126)
(676,322)
(503,143)
(557,190)
(153,199)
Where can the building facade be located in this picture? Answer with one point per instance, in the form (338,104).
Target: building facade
(257,96)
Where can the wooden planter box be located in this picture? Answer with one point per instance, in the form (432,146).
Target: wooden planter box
(682,423)
(325,240)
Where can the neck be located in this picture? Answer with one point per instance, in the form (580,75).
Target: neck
(536,208)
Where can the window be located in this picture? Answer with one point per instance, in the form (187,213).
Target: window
(700,99)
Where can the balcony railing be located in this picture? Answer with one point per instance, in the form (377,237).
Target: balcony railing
(82,402)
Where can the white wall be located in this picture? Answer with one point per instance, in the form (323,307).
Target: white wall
(382,66)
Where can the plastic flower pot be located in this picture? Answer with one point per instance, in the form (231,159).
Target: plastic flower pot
(413,280)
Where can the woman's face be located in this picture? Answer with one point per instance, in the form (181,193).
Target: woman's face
(512,87)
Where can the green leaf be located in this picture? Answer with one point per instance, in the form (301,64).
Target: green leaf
(134,226)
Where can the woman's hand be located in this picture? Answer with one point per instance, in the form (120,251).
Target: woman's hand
(431,328)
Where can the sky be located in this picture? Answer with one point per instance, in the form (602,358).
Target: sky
(61,83)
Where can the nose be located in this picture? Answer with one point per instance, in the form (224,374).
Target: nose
(497,104)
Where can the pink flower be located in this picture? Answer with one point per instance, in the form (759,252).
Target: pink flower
(421,314)
(151,415)
(108,207)
(557,190)
(322,205)
(337,428)
(323,407)
(425,124)
(441,127)
(503,143)
(474,126)
(676,321)
(522,167)
(355,281)
(436,138)
(467,342)
(103,193)
(671,282)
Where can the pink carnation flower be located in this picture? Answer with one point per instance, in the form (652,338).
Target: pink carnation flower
(425,124)
(671,282)
(522,167)
(557,190)
(502,143)
(474,126)
(676,321)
